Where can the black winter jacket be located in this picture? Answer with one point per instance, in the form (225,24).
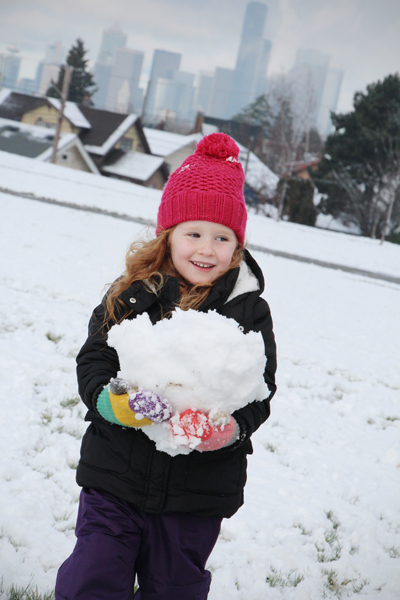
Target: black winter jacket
(124,461)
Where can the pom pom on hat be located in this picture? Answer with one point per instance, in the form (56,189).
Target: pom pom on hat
(218,145)
(208,186)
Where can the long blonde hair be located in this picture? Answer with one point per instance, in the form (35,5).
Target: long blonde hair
(151,261)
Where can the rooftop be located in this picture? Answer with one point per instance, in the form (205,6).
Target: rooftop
(135,165)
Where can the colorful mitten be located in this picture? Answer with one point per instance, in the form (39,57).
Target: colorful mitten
(193,424)
(210,433)
(222,435)
(114,407)
(150,405)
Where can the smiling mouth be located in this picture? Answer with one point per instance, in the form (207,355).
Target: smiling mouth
(202,265)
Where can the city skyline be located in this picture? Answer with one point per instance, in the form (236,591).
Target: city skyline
(357,37)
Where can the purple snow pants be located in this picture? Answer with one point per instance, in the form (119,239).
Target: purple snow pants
(116,541)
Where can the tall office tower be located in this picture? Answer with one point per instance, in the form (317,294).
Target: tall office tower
(249,78)
(204,88)
(48,69)
(10,70)
(220,95)
(307,79)
(112,39)
(174,95)
(54,54)
(125,75)
(164,65)
(329,101)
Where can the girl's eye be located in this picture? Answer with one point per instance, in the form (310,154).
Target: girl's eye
(222,238)
(195,235)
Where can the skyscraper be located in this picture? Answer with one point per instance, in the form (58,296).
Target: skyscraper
(221,93)
(329,101)
(124,81)
(10,70)
(307,79)
(249,77)
(112,39)
(163,66)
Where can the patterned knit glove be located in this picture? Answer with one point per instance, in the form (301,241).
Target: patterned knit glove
(150,405)
(113,405)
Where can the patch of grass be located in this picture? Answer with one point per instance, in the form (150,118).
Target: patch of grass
(330,515)
(354,549)
(394,551)
(335,549)
(276,578)
(371,422)
(303,530)
(70,402)
(23,593)
(53,338)
(347,586)
(392,419)
(73,432)
(47,417)
(270,448)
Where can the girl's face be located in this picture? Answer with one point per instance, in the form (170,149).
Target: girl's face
(202,251)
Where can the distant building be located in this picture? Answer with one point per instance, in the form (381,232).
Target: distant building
(307,79)
(174,95)
(112,39)
(48,69)
(164,65)
(26,86)
(37,142)
(113,141)
(204,88)
(10,71)
(249,77)
(124,94)
(329,101)
(220,94)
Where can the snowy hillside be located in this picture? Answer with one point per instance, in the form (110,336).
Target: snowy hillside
(321,514)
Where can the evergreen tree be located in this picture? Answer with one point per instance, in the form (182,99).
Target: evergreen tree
(361,170)
(298,205)
(82,83)
(257,113)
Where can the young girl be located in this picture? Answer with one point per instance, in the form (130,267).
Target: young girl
(143,512)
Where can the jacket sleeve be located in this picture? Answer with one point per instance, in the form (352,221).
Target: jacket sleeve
(253,415)
(97,363)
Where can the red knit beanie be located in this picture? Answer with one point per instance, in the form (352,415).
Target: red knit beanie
(208,186)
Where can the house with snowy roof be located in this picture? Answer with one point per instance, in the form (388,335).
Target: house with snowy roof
(37,142)
(260,181)
(107,137)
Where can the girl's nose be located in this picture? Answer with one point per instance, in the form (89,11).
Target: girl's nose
(207,247)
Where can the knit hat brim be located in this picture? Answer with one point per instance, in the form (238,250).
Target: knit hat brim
(194,205)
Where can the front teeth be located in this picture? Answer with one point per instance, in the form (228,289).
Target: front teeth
(202,265)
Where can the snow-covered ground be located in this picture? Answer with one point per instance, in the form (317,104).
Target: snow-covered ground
(21,174)
(321,514)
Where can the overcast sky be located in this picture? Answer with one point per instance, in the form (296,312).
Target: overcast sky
(361,36)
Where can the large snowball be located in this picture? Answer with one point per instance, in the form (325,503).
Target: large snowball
(196,360)
(201,361)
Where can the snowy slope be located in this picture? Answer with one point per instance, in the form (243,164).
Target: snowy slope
(321,503)
(20,174)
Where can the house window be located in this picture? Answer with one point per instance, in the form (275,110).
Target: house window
(125,144)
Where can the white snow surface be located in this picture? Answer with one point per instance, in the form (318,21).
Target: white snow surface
(219,373)
(321,513)
(21,174)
